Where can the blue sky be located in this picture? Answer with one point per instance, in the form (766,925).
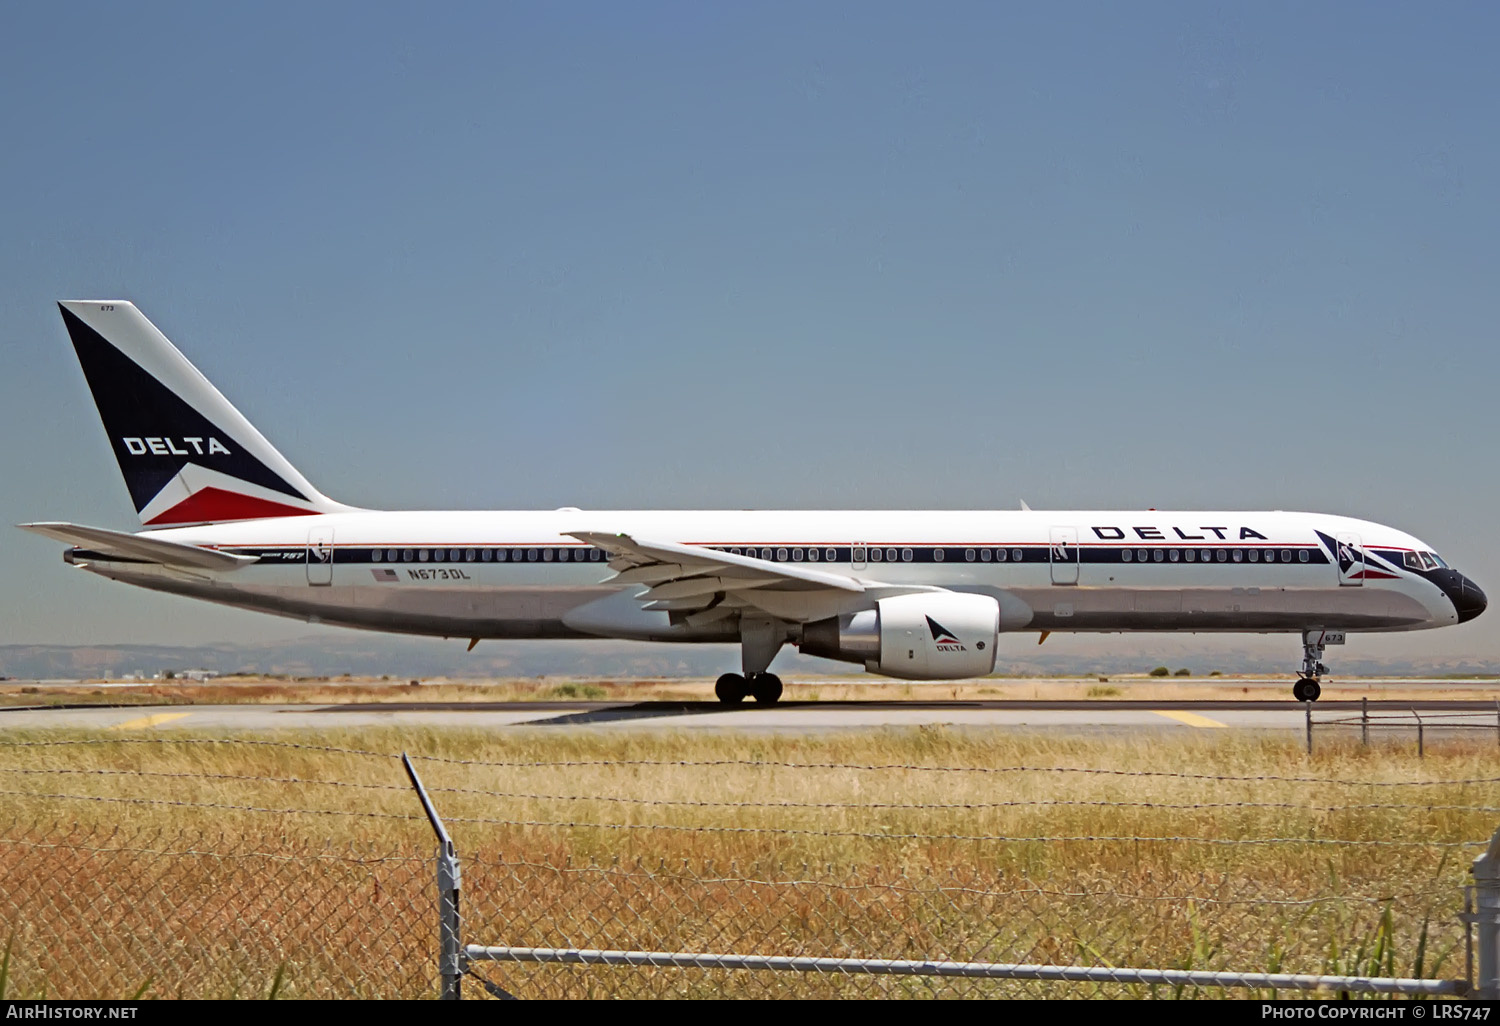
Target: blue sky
(764,255)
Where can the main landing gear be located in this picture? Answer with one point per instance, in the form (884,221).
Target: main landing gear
(1307,688)
(732,689)
(760,639)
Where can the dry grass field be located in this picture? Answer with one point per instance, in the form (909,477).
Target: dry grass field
(195,867)
(854,687)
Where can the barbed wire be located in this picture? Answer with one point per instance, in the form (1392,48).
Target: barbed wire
(780,831)
(663,871)
(170,803)
(688,803)
(763,764)
(237,741)
(213,853)
(863,835)
(679,875)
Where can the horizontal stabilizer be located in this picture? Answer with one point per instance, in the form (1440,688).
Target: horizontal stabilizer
(139,547)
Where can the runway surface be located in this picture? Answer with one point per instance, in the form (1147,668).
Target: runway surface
(1079,716)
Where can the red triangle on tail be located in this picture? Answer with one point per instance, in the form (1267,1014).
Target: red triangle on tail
(212,505)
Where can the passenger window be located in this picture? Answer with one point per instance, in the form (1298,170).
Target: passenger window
(1270,555)
(858,553)
(1126,555)
(906,555)
(1302,555)
(1189,554)
(1222,556)
(969,555)
(486,555)
(938,555)
(890,555)
(1172,555)
(1286,555)
(984,555)
(1141,555)
(469,555)
(1255,555)
(735,551)
(1015,555)
(781,555)
(1000,554)
(1239,555)
(421,555)
(812,555)
(1157,555)
(831,555)
(765,554)
(875,555)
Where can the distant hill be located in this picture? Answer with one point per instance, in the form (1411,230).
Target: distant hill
(378,655)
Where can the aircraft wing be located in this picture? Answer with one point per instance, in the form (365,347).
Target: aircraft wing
(707,585)
(139,547)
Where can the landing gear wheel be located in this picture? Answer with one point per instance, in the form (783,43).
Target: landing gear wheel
(1307,688)
(766,687)
(731,689)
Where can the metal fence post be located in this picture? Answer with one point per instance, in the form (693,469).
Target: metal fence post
(1486,919)
(1364,720)
(1307,706)
(1421,754)
(449,879)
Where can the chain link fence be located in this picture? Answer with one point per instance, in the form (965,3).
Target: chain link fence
(327,886)
(90,912)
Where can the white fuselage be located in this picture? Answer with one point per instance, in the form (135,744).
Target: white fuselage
(522,575)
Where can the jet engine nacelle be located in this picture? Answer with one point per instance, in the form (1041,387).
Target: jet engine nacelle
(926,636)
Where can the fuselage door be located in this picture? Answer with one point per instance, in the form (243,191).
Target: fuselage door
(1064,555)
(1351,560)
(320,556)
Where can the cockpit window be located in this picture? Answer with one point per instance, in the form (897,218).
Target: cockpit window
(1423,561)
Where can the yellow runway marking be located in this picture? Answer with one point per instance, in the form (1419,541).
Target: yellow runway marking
(1191,719)
(155,720)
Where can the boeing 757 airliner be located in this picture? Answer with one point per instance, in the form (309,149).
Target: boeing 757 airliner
(918,595)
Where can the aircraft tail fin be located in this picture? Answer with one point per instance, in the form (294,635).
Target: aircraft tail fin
(188,456)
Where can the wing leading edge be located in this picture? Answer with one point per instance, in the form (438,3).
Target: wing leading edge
(705,585)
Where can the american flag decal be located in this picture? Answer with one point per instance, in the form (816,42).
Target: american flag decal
(384,574)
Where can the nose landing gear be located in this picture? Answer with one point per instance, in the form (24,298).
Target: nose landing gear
(1307,688)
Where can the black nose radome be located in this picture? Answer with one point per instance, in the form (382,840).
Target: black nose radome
(1467,597)
(1471,601)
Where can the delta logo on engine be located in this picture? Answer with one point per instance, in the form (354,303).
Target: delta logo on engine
(943,638)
